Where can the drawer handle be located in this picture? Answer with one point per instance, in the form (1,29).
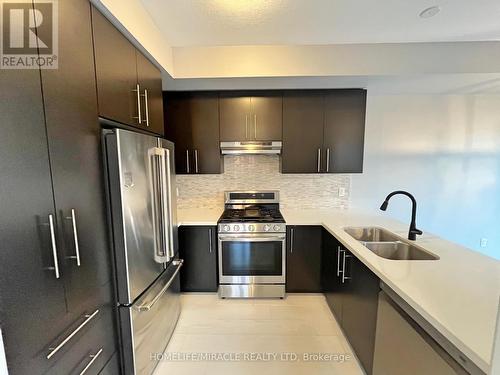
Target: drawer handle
(148,306)
(88,318)
(93,358)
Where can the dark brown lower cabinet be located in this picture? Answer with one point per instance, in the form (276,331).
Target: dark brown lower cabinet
(359,309)
(303,259)
(351,291)
(92,346)
(198,248)
(330,273)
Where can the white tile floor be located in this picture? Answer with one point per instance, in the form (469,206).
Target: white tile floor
(298,324)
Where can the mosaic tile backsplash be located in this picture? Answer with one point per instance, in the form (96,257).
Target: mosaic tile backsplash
(261,172)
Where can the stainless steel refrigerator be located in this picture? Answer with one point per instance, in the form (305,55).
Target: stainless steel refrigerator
(142,196)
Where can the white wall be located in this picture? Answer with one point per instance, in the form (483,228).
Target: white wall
(336,60)
(445,149)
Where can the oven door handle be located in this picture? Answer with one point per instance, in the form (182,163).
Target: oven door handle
(247,238)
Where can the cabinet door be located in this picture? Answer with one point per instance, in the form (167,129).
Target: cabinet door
(235,117)
(197,246)
(178,130)
(74,141)
(96,340)
(33,306)
(267,118)
(303,122)
(116,72)
(330,274)
(359,309)
(149,78)
(344,131)
(204,116)
(303,259)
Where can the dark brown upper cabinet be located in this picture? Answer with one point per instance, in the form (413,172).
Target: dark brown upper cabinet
(323,131)
(303,123)
(344,133)
(128,84)
(151,95)
(251,117)
(192,123)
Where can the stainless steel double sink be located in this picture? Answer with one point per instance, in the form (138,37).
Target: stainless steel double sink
(388,245)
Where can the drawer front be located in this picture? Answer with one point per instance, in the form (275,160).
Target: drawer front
(90,348)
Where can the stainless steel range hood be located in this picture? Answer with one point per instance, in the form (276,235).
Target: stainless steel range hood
(251,148)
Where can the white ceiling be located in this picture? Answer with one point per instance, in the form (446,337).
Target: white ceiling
(291,22)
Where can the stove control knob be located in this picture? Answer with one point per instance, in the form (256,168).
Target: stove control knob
(251,228)
(267,227)
(226,228)
(277,227)
(236,228)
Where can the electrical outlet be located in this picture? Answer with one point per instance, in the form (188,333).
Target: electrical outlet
(483,242)
(341,192)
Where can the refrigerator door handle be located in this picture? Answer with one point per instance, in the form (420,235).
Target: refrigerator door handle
(168,193)
(165,207)
(148,305)
(157,180)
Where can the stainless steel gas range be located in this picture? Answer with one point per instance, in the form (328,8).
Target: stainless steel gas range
(252,235)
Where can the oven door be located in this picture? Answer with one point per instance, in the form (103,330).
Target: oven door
(252,259)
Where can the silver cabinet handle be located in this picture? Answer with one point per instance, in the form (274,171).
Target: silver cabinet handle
(328,159)
(149,305)
(75,237)
(319,160)
(246,127)
(54,246)
(146,108)
(93,358)
(196,161)
(137,90)
(344,277)
(210,240)
(339,250)
(255,125)
(187,161)
(88,318)
(291,240)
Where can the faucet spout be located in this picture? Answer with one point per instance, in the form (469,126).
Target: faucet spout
(413,231)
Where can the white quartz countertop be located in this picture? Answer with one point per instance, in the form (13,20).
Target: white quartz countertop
(458,294)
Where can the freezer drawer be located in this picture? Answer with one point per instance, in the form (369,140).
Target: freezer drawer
(148,324)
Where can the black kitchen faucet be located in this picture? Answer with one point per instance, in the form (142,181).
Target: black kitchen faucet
(412,233)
